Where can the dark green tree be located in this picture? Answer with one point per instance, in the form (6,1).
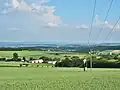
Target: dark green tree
(15,56)
(31,58)
(24,58)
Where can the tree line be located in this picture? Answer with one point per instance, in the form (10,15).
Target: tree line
(98,61)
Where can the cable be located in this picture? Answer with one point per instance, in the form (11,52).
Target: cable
(92,23)
(91,31)
(110,33)
(101,30)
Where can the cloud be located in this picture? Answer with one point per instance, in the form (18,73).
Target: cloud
(105,24)
(13,29)
(98,24)
(83,26)
(46,13)
(21,5)
(53,25)
(43,1)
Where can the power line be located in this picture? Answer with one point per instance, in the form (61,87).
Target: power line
(92,23)
(112,29)
(110,33)
(101,30)
(91,31)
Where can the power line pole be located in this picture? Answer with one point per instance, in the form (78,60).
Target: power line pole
(90,53)
(91,32)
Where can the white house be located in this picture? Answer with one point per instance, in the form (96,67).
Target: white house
(52,62)
(37,61)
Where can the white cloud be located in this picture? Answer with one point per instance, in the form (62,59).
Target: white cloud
(13,29)
(53,25)
(83,26)
(46,13)
(106,24)
(21,5)
(43,1)
(99,24)
(15,3)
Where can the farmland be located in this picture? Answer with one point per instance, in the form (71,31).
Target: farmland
(58,79)
(48,77)
(38,54)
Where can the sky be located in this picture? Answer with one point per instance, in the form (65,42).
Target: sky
(58,21)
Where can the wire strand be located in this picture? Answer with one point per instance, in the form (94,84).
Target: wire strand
(101,30)
(91,27)
(110,33)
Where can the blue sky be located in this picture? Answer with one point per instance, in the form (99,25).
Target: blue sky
(57,20)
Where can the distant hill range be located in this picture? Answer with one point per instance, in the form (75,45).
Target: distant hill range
(110,44)
(58,46)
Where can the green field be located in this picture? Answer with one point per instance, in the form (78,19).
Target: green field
(59,79)
(38,54)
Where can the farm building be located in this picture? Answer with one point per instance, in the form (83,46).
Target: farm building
(37,61)
(52,62)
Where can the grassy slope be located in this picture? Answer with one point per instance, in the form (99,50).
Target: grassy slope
(37,54)
(58,79)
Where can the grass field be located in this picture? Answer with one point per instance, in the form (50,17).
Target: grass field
(38,54)
(59,79)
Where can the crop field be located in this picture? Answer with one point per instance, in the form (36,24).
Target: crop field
(59,79)
(38,54)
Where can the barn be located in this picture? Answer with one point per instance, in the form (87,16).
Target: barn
(37,61)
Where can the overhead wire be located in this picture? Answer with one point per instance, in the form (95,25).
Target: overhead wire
(114,26)
(101,30)
(112,29)
(91,29)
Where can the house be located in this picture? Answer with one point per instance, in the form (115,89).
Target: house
(37,61)
(116,51)
(52,62)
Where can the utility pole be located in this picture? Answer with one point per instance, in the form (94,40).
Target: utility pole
(90,60)
(85,64)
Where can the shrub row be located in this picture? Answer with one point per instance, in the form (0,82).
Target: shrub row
(95,64)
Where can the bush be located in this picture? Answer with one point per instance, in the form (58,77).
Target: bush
(56,53)
(2,59)
(56,59)
(16,60)
(31,58)
(73,62)
(79,63)
(103,64)
(46,59)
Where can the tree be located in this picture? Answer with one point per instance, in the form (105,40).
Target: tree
(115,57)
(56,53)
(56,59)
(31,58)
(15,56)
(119,58)
(24,58)
(67,63)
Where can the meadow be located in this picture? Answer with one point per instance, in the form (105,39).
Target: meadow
(59,79)
(38,54)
